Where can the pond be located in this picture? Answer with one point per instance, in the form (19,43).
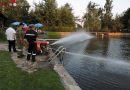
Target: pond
(100,63)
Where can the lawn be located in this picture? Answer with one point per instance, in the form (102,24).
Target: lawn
(54,35)
(12,78)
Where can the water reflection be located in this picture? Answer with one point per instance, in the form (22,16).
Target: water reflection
(98,46)
(125,51)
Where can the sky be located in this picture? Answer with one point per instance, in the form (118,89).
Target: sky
(79,6)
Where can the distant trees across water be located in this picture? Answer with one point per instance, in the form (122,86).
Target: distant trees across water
(101,19)
(56,18)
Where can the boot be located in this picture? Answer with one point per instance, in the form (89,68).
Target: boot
(33,58)
(28,57)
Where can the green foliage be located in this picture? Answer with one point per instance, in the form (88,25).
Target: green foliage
(62,18)
(2,36)
(92,18)
(107,19)
(100,19)
(126,19)
(61,29)
(18,11)
(50,7)
(33,18)
(12,78)
(117,24)
(45,12)
(66,16)
(53,35)
(51,16)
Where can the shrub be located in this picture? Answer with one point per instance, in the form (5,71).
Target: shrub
(2,35)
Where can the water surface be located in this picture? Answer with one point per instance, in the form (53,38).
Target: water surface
(100,63)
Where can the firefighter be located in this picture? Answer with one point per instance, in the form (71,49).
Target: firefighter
(31,36)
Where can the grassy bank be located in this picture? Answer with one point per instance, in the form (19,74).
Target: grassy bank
(12,78)
(59,29)
(57,35)
(54,35)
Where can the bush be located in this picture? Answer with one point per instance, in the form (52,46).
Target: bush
(2,35)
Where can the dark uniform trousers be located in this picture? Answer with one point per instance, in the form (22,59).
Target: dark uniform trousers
(31,51)
(11,44)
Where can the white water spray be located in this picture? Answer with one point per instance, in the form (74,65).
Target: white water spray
(74,38)
(75,42)
(112,65)
(96,58)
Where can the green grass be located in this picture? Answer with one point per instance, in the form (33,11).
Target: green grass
(59,28)
(12,78)
(53,35)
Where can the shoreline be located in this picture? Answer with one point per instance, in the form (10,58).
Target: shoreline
(67,80)
(64,34)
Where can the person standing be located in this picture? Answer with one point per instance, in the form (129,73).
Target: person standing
(20,40)
(31,36)
(11,37)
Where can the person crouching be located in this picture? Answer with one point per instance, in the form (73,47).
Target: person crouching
(31,36)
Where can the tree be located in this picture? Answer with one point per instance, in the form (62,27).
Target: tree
(3,5)
(38,13)
(117,25)
(32,19)
(66,16)
(125,19)
(107,21)
(50,7)
(18,11)
(48,13)
(92,17)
